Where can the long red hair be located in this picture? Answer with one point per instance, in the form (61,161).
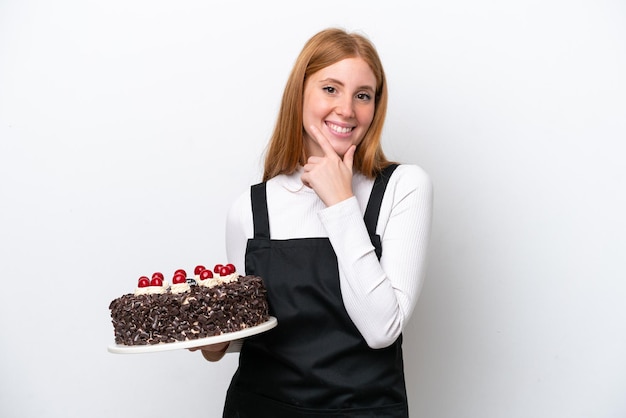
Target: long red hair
(286,146)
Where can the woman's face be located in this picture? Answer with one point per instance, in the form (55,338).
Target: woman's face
(339,101)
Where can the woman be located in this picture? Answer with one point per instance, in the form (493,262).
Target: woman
(339,234)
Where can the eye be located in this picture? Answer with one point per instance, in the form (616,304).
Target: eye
(329,89)
(366,97)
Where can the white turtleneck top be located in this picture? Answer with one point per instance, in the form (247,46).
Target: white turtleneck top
(379,296)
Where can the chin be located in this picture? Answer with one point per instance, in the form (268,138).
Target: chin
(341,148)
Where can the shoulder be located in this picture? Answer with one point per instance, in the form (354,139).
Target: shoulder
(409,185)
(241,206)
(411,176)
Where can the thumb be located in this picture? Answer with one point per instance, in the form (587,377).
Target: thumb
(348,157)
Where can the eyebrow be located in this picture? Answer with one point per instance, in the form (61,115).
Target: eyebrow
(335,81)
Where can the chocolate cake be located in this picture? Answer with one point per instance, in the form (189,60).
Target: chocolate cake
(196,308)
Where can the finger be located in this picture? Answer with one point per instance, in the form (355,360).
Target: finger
(348,157)
(309,165)
(314,159)
(322,141)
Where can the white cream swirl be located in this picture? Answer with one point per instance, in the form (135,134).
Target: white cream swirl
(180,288)
(230,278)
(217,280)
(152,290)
(141,291)
(209,282)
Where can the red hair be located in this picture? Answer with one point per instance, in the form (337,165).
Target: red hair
(286,146)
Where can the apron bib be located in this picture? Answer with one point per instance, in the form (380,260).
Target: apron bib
(315,362)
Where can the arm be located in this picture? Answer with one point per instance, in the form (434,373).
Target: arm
(381,295)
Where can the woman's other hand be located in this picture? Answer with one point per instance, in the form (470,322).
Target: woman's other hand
(213,352)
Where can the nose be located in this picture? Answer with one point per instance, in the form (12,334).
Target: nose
(345,107)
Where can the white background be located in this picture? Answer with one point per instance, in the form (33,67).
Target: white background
(128,127)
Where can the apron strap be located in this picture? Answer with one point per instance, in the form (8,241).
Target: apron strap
(376,199)
(260,217)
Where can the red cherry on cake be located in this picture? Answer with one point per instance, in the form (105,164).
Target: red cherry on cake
(156,281)
(143,282)
(217,268)
(180,271)
(224,271)
(206,274)
(159,275)
(231,268)
(179,278)
(199,269)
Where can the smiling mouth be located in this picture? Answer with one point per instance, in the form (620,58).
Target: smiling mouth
(339,129)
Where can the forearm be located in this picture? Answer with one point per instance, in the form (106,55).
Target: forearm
(369,298)
(380,295)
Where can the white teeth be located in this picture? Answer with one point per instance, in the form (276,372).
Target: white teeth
(339,129)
